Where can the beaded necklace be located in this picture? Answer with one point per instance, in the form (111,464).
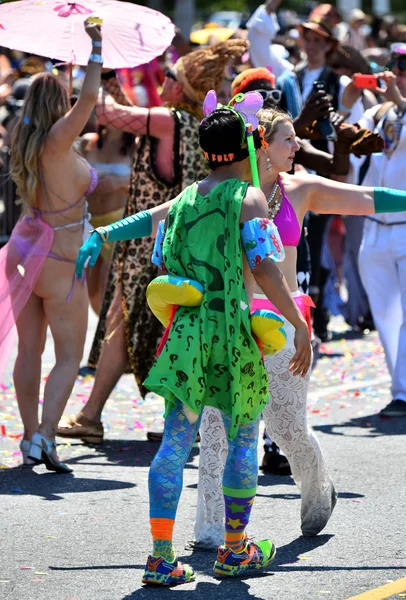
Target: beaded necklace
(273,200)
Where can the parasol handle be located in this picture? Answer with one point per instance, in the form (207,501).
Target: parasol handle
(70,79)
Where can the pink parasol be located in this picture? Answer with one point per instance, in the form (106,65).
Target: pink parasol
(132,34)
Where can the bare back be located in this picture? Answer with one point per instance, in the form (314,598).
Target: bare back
(65,180)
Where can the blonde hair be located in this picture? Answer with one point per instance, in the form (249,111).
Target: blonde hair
(46,101)
(271,118)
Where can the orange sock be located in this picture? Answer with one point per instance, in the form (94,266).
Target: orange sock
(162,534)
(162,529)
(234,540)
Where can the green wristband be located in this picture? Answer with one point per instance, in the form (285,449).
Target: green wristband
(131,228)
(388,200)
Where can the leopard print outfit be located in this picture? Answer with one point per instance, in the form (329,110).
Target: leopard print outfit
(131,264)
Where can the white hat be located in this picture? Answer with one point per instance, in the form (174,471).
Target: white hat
(356,14)
(398,48)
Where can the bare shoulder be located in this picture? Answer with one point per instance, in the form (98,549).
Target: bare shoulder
(300,178)
(299,189)
(161,114)
(299,184)
(161,122)
(254,194)
(254,205)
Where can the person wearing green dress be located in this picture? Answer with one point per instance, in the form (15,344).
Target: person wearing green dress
(216,234)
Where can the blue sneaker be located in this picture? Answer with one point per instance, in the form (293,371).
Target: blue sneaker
(254,557)
(159,572)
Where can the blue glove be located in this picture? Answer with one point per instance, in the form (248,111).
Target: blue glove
(130,228)
(91,248)
(388,200)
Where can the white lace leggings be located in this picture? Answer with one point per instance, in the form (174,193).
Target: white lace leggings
(286,423)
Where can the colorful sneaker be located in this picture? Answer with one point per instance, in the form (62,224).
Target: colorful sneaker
(254,557)
(159,572)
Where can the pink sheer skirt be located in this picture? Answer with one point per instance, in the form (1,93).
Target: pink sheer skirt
(21,262)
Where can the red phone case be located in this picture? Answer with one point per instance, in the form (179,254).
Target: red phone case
(365,81)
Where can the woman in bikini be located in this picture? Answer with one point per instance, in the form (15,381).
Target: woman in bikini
(39,287)
(289,198)
(110,152)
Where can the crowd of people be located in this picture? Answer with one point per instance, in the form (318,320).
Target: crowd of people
(256,175)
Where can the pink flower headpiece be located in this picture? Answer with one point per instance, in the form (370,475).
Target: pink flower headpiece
(245,106)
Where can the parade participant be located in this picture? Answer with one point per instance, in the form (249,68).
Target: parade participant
(37,265)
(318,42)
(167,159)
(263,81)
(382,255)
(262,28)
(289,198)
(224,367)
(109,151)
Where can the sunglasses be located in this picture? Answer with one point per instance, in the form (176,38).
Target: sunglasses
(170,74)
(274,95)
(399,62)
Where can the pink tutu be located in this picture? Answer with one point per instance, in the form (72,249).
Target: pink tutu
(21,262)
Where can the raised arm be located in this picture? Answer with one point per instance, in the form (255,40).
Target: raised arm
(271,6)
(157,122)
(113,87)
(65,131)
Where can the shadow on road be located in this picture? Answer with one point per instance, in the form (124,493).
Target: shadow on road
(374,426)
(123,453)
(53,486)
(224,589)
(289,553)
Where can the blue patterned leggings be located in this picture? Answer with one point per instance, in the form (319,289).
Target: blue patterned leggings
(166,472)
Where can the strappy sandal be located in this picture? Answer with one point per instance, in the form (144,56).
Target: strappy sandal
(40,452)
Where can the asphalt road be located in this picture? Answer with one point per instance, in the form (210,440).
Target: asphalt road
(86,536)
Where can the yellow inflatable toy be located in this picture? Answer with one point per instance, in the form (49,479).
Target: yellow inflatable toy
(167,291)
(268,327)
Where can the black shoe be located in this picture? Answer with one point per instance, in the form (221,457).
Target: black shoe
(275,463)
(366,322)
(396,408)
(324,334)
(85,371)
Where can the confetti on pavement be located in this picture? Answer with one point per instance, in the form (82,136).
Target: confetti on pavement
(341,381)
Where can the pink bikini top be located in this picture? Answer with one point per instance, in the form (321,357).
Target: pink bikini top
(286,221)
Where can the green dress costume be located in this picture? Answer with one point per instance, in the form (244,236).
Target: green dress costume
(210,357)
